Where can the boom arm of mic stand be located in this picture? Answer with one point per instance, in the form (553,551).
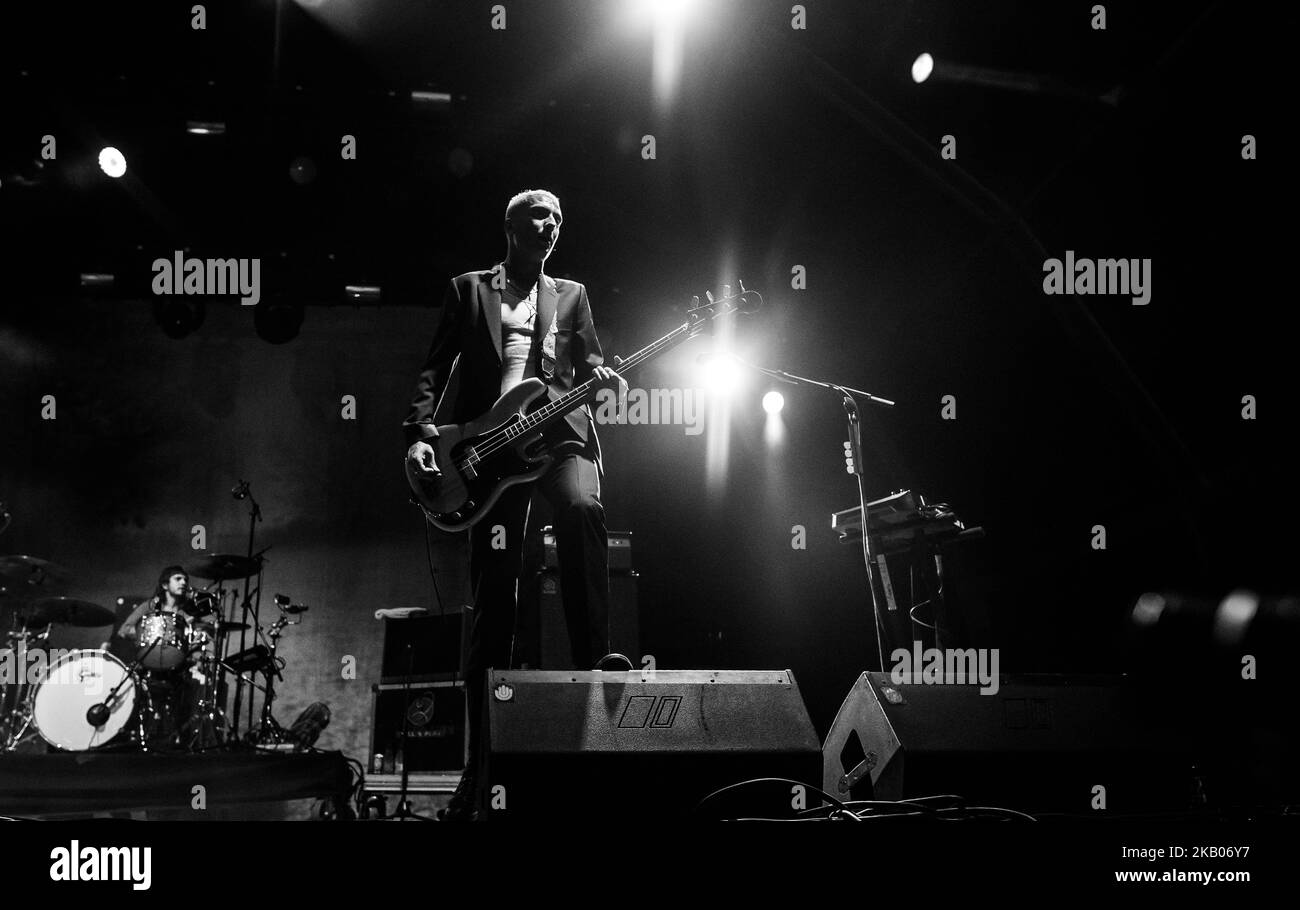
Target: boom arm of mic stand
(855,449)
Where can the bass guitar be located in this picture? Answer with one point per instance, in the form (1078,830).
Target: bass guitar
(505,446)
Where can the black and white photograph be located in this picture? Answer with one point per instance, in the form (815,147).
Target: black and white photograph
(584,416)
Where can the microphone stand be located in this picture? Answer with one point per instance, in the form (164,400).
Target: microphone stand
(403,802)
(98,714)
(849,401)
(254,516)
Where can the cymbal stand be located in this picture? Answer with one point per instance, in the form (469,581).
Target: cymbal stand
(206,724)
(15,710)
(249,606)
(269,729)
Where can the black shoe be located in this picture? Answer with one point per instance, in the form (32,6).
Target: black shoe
(613,662)
(461,807)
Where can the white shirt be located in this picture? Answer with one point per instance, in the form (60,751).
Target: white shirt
(518,323)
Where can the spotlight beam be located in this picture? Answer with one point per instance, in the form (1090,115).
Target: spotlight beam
(1024,83)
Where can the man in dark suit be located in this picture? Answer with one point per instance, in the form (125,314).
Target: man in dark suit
(499,327)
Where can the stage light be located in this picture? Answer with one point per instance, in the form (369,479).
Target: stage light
(205,128)
(277,321)
(112,162)
(432,101)
(668,21)
(362,293)
(1148,609)
(667,13)
(96,281)
(773,402)
(719,374)
(922,67)
(302,170)
(1233,617)
(179,316)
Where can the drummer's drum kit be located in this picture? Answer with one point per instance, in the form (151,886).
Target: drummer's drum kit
(91,698)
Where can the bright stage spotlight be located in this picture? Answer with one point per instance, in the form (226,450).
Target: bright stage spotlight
(667,13)
(773,402)
(720,375)
(669,21)
(112,162)
(922,67)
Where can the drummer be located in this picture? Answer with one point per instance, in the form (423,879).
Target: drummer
(172,693)
(171,594)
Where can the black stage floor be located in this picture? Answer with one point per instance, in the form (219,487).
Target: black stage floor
(85,783)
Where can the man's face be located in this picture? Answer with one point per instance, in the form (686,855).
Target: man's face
(178,584)
(535,228)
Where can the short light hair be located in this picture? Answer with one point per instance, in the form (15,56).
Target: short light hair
(528,197)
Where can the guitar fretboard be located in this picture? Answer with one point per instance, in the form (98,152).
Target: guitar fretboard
(576,397)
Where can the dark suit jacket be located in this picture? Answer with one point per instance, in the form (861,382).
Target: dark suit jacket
(467,343)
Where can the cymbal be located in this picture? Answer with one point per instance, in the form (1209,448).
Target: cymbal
(31,571)
(224,566)
(66,610)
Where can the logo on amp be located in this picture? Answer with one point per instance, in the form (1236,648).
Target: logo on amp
(654,711)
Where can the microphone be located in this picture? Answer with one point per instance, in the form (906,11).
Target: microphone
(239,490)
(97,715)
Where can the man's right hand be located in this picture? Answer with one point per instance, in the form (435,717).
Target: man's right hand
(423,458)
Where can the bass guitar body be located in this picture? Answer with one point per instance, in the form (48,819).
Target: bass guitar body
(477,465)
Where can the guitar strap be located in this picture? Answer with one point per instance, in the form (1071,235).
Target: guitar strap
(544,339)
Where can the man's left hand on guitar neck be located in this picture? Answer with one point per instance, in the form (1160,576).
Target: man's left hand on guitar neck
(605,378)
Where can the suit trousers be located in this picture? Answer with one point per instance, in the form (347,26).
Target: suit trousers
(572,486)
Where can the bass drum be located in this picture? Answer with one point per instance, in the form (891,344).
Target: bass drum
(75,683)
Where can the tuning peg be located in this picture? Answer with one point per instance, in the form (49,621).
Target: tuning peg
(726,291)
(709,294)
(740,284)
(695,302)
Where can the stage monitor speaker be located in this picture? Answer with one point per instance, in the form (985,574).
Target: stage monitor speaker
(1038,744)
(619,746)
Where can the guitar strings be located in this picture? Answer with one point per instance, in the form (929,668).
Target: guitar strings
(504,437)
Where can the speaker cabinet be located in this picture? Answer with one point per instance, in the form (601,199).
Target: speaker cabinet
(1040,743)
(616,745)
(548,640)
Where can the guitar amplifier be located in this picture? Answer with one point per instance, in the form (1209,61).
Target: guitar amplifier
(434,717)
(620,550)
(644,744)
(427,648)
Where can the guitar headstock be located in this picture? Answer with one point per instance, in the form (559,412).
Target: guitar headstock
(742,301)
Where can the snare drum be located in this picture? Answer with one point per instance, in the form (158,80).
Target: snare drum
(75,683)
(163,639)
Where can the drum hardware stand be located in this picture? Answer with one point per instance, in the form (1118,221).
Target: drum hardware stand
(268,729)
(14,732)
(250,606)
(856,466)
(206,724)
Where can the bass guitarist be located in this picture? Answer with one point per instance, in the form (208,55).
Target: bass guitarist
(497,328)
